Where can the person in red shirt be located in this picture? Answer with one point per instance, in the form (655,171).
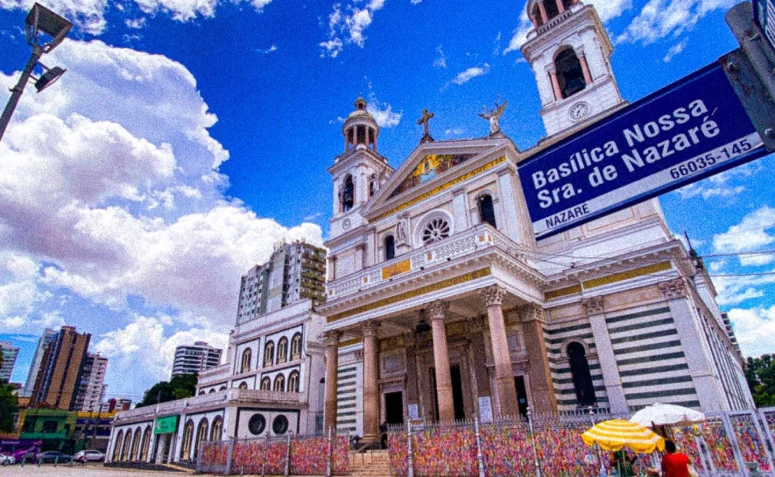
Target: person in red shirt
(674,464)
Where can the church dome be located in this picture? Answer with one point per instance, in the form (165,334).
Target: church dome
(360,128)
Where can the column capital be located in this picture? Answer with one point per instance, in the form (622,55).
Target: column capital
(493,295)
(673,289)
(594,305)
(358,354)
(331,338)
(438,310)
(369,329)
(531,312)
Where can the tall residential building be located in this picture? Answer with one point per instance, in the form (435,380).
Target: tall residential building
(294,272)
(193,359)
(60,370)
(91,388)
(10,352)
(47,337)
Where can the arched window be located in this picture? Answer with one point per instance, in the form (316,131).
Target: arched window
(211,391)
(569,73)
(347,194)
(117,446)
(486,210)
(201,435)
(269,354)
(266,384)
(127,444)
(135,445)
(537,16)
(243,385)
(222,388)
(246,356)
(551,9)
(293,382)
(390,247)
(296,346)
(202,393)
(282,350)
(188,435)
(582,379)
(279,383)
(217,430)
(146,444)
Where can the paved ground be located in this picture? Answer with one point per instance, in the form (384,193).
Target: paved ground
(92,470)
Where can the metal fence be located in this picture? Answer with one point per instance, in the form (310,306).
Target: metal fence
(287,455)
(731,444)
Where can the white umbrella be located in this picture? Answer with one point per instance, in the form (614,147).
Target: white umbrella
(665,414)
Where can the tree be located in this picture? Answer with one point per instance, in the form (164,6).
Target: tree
(760,374)
(9,405)
(179,387)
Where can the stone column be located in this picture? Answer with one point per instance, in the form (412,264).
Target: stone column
(585,69)
(555,84)
(370,382)
(479,362)
(605,353)
(460,205)
(542,10)
(560,6)
(438,313)
(504,375)
(332,366)
(698,357)
(541,386)
(509,215)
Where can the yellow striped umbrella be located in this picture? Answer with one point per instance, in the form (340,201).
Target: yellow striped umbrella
(617,433)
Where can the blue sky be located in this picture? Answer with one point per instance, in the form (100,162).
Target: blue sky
(188,136)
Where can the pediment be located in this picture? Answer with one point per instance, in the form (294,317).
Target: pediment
(431,164)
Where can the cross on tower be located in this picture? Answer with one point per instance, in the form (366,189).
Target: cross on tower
(426,116)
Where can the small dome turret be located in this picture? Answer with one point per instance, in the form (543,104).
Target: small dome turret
(360,128)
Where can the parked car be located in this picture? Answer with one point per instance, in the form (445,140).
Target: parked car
(89,455)
(7,459)
(50,457)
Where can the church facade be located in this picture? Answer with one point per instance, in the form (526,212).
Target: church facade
(442,305)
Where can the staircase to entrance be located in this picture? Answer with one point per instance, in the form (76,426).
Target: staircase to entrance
(372,463)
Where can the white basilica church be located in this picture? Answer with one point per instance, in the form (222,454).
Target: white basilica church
(442,305)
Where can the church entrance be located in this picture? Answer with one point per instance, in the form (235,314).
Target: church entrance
(519,384)
(394,407)
(457,393)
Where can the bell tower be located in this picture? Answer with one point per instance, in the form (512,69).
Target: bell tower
(570,53)
(358,172)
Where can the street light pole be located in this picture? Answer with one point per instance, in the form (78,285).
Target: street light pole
(16,91)
(39,20)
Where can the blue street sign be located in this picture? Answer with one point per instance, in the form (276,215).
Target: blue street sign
(764,15)
(689,130)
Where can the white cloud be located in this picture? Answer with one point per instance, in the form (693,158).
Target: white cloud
(750,235)
(733,290)
(136,23)
(675,50)
(470,73)
(453,132)
(144,349)
(266,51)
(89,15)
(348,27)
(754,328)
(662,18)
(117,198)
(383,113)
(415,2)
(441,59)
(606,9)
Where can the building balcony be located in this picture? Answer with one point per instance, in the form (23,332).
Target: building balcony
(479,240)
(554,21)
(215,374)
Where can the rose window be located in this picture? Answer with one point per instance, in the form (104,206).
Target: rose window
(437,229)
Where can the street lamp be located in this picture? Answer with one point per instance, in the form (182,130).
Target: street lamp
(39,20)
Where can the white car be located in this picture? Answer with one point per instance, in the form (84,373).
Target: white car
(88,456)
(7,459)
